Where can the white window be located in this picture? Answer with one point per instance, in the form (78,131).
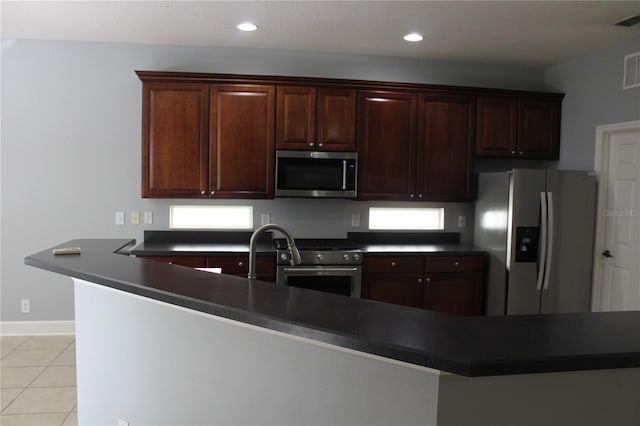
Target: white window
(406,218)
(211,217)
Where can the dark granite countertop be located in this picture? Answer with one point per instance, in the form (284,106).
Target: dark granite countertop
(470,346)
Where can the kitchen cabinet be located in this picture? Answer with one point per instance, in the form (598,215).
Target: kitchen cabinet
(316,119)
(239,266)
(518,127)
(386,145)
(415,147)
(190,261)
(454,284)
(207,141)
(392,279)
(451,284)
(446,132)
(230,265)
(241,154)
(175,139)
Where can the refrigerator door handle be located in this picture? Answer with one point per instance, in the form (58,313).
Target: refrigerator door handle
(549,257)
(543,241)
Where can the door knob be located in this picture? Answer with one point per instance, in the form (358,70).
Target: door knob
(607,253)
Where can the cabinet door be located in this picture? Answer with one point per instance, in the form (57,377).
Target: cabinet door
(296,118)
(399,289)
(336,114)
(496,128)
(445,147)
(386,145)
(175,140)
(459,294)
(539,129)
(241,154)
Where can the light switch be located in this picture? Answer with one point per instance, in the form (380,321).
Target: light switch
(119,218)
(148,218)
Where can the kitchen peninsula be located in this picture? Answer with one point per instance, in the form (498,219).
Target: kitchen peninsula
(164,344)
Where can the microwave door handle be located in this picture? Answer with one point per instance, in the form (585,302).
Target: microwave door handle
(344,175)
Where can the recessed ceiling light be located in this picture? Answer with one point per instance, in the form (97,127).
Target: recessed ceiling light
(247,26)
(413,37)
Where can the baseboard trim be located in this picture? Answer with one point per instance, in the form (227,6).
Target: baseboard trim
(37,328)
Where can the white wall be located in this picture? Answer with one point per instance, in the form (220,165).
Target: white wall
(71,129)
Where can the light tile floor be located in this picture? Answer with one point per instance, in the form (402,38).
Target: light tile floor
(38,378)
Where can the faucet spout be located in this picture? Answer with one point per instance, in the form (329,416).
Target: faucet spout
(295,254)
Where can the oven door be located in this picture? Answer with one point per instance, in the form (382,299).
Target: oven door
(345,280)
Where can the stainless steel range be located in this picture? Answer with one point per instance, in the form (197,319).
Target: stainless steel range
(329,265)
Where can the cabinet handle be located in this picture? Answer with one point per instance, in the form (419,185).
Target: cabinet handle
(393,263)
(240,264)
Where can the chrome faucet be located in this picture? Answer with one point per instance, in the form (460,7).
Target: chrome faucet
(295,254)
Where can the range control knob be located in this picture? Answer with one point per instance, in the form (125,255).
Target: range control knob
(356,257)
(345,257)
(284,256)
(319,256)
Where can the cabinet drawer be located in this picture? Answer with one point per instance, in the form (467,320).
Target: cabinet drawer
(191,261)
(454,263)
(391,264)
(239,265)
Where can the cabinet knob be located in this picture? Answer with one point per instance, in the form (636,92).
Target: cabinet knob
(428,280)
(240,264)
(419,280)
(213,192)
(320,144)
(513,153)
(393,263)
(420,196)
(203,192)
(456,263)
(310,144)
(521,153)
(412,196)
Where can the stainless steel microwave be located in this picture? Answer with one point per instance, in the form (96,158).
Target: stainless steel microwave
(316,174)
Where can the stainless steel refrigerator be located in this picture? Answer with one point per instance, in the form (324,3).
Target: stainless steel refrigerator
(538,228)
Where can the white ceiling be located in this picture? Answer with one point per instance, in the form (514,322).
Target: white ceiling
(508,32)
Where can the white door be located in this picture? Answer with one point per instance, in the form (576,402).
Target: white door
(619,255)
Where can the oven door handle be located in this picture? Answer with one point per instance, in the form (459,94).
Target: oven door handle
(319,269)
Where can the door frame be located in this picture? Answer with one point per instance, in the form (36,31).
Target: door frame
(603,142)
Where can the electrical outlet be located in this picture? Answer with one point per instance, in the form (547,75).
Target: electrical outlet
(355,220)
(122,422)
(462,221)
(135,218)
(148,218)
(119,218)
(25,306)
(264,218)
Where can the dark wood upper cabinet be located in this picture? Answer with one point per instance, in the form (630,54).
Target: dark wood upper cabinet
(175,140)
(518,127)
(386,145)
(316,119)
(241,153)
(446,130)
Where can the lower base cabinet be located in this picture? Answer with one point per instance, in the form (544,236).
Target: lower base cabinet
(230,265)
(451,284)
